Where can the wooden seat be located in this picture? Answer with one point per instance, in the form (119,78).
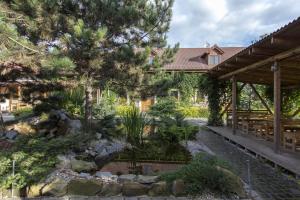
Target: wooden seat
(291,140)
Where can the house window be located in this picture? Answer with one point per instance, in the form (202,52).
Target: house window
(214,59)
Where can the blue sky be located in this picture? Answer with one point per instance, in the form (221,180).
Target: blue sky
(228,22)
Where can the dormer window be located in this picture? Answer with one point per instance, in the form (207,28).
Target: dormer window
(214,59)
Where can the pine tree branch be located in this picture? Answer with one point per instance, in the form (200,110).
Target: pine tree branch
(24,46)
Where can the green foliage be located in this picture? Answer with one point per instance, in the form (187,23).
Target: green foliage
(203,174)
(193,111)
(134,123)
(35,157)
(216,91)
(109,126)
(173,130)
(186,83)
(107,105)
(121,110)
(23,112)
(154,150)
(165,107)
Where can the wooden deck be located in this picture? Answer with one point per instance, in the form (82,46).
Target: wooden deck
(287,160)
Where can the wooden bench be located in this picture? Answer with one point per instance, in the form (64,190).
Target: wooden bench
(291,140)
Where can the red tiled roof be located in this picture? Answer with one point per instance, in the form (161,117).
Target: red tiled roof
(190,59)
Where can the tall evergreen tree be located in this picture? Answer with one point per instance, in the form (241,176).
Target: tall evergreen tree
(99,36)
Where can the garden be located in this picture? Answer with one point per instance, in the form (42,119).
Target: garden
(83,131)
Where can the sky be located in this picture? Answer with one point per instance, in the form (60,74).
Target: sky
(228,22)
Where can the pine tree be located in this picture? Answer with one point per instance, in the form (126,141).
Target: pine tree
(99,36)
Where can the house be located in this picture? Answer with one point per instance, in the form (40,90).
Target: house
(193,60)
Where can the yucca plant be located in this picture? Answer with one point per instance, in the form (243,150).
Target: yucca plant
(134,122)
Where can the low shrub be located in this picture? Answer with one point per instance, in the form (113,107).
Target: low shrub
(204,173)
(121,110)
(23,112)
(193,111)
(173,130)
(165,107)
(34,158)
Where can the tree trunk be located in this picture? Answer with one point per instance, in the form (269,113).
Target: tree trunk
(88,103)
(2,122)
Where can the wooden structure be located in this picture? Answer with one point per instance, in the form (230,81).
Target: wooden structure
(11,97)
(273,60)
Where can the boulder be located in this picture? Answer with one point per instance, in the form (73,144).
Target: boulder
(147,179)
(127,178)
(134,189)
(24,128)
(236,183)
(159,189)
(82,166)
(178,188)
(107,176)
(85,175)
(58,187)
(103,160)
(64,162)
(75,124)
(111,189)
(35,190)
(12,134)
(84,187)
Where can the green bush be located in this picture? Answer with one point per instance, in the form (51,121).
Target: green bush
(23,112)
(202,174)
(165,107)
(121,110)
(193,111)
(173,130)
(35,157)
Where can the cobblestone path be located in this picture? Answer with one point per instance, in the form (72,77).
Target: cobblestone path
(269,183)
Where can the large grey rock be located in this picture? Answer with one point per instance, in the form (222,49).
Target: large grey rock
(134,189)
(84,187)
(127,178)
(75,124)
(82,166)
(64,161)
(111,189)
(196,147)
(106,176)
(159,189)
(12,134)
(147,179)
(58,187)
(178,188)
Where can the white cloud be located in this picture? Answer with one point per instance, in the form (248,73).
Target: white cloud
(228,22)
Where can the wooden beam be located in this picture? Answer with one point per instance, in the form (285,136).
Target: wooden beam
(230,102)
(296,113)
(277,111)
(261,99)
(234,113)
(277,57)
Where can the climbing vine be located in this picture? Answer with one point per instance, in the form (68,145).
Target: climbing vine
(216,92)
(186,83)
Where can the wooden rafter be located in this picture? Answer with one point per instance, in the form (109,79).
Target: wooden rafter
(277,57)
(261,99)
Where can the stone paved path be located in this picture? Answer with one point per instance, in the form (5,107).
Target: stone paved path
(269,183)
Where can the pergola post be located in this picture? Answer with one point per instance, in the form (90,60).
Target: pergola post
(234,113)
(277,102)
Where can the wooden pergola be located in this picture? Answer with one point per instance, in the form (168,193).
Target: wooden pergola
(273,60)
